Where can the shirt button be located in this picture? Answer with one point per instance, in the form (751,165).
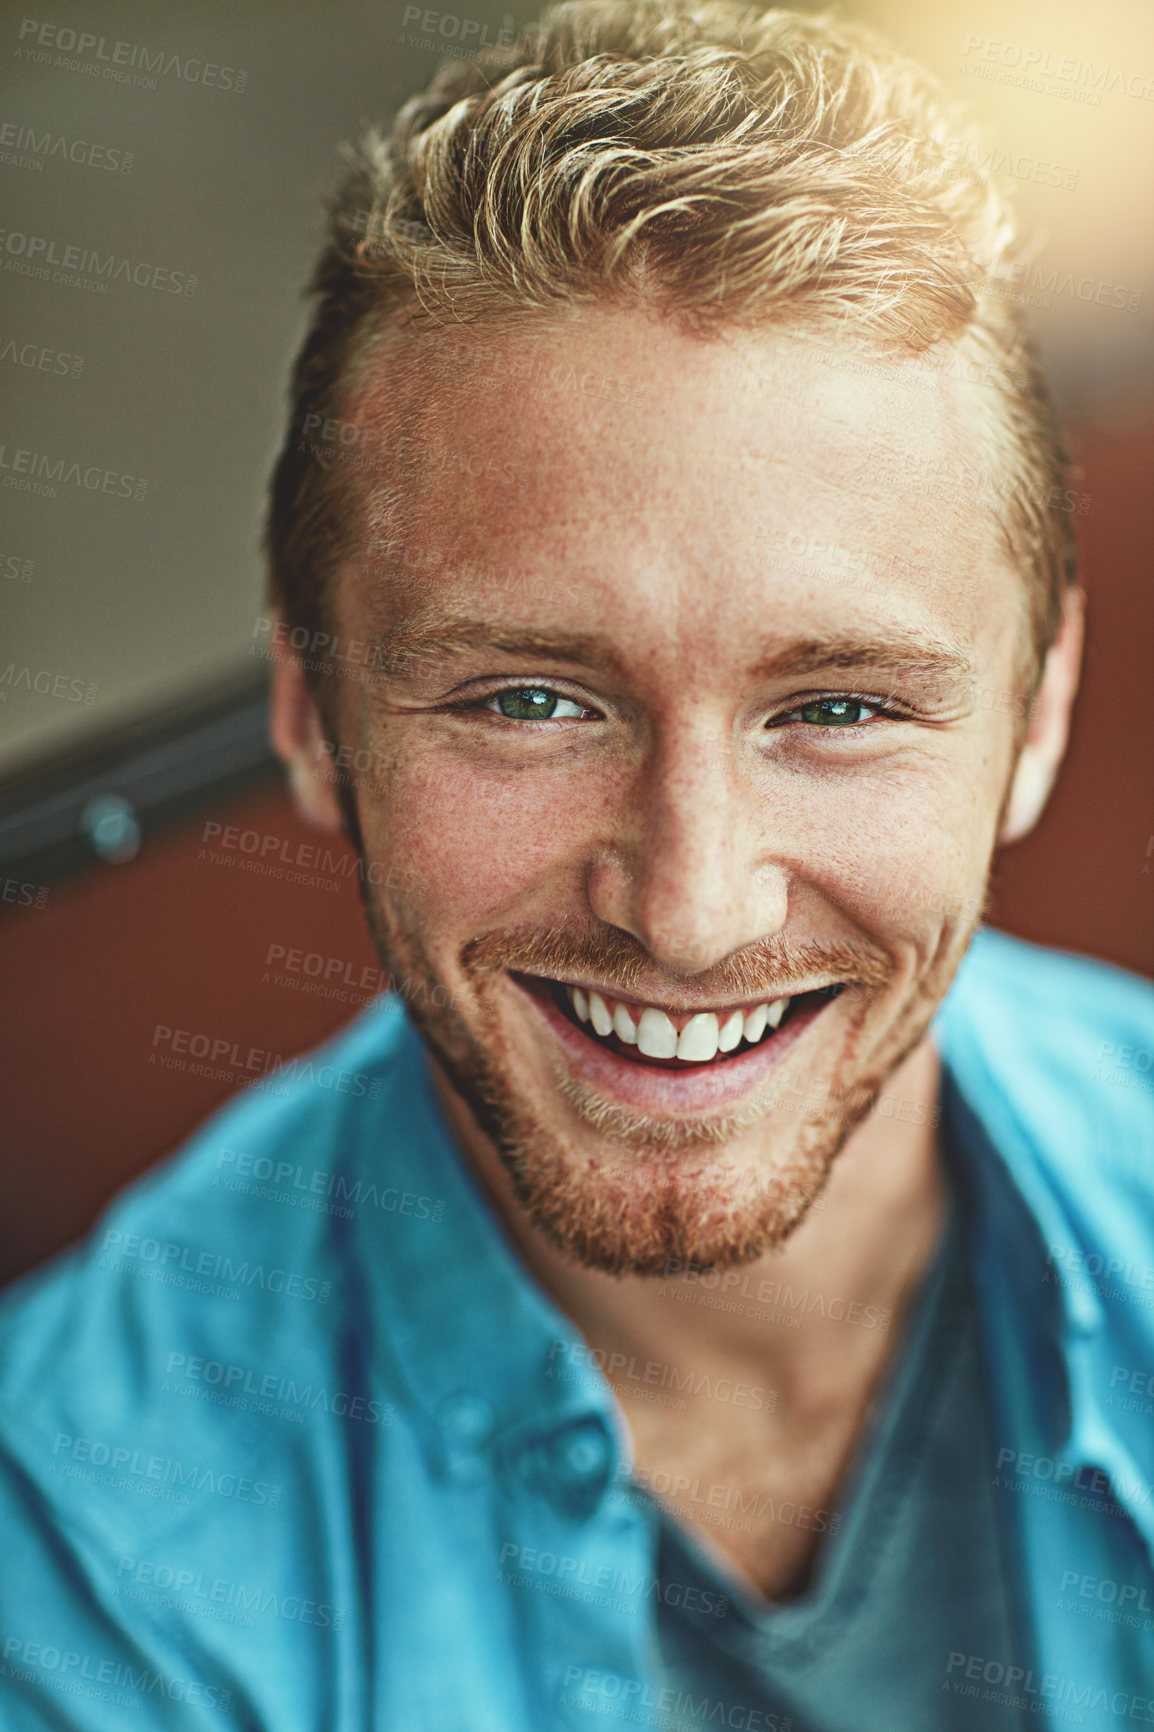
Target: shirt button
(467,1423)
(573,1467)
(583,1453)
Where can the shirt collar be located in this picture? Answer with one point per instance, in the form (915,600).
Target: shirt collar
(492,1371)
(1035,1204)
(495,1371)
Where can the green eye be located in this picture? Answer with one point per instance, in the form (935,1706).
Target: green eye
(835,712)
(533,704)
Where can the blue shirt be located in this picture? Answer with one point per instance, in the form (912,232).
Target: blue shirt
(280,1446)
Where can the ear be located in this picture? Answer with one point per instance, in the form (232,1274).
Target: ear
(298,737)
(1049,726)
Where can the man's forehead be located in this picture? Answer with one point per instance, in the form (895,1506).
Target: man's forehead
(753,456)
(545,393)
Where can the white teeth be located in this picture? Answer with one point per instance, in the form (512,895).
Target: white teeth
(702,1038)
(698,1039)
(656,1035)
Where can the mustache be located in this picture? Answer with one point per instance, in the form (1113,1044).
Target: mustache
(620,962)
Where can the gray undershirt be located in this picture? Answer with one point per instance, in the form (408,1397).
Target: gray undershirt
(915,1574)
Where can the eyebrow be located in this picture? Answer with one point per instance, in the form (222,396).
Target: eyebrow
(454,635)
(902,652)
(906,653)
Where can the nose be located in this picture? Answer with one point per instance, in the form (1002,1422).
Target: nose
(691,874)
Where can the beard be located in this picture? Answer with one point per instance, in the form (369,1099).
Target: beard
(638,1194)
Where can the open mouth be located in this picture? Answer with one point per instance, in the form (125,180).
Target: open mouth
(674,1041)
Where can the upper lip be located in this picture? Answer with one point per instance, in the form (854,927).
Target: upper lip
(767,996)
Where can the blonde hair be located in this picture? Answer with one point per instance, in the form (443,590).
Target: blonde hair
(731,166)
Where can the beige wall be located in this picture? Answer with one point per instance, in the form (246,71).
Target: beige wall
(134,601)
(145,599)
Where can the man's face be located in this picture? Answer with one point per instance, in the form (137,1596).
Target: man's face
(697,696)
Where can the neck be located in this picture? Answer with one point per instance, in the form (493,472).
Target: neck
(856,1257)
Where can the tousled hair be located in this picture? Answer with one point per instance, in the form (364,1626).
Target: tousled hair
(732,168)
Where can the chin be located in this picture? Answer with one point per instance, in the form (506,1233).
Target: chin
(641,1124)
(626,1192)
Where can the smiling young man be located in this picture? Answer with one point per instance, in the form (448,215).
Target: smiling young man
(678,1302)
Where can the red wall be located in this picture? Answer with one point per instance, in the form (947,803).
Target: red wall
(172,940)
(1084,879)
(176,940)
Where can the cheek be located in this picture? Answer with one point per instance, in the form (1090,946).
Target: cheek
(904,852)
(470,847)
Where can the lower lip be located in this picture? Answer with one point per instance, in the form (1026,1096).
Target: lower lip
(666,1091)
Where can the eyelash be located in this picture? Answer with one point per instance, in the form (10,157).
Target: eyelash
(883,708)
(480,705)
